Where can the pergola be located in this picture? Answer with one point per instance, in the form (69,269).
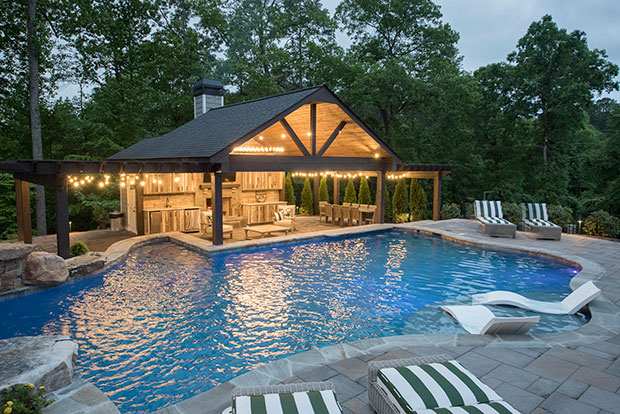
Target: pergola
(309,130)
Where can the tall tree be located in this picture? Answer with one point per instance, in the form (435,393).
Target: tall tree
(35,113)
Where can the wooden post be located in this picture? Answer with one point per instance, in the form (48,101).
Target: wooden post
(315,199)
(313,128)
(380,202)
(140,222)
(217,218)
(24,221)
(336,190)
(62,217)
(436,195)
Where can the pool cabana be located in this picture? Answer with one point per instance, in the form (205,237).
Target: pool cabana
(309,130)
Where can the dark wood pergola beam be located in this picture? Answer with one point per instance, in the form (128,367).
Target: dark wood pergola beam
(307,163)
(294,137)
(331,138)
(49,167)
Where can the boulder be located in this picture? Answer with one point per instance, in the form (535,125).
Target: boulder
(12,251)
(44,268)
(39,360)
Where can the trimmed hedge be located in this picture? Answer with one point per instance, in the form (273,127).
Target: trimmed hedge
(364,192)
(323,193)
(450,211)
(307,202)
(601,223)
(289,192)
(349,192)
(79,249)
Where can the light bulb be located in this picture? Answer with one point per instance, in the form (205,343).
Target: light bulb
(176,179)
(142,183)
(101,184)
(123,184)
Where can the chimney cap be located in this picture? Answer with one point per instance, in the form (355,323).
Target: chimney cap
(208,86)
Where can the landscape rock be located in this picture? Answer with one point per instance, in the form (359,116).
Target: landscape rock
(44,268)
(84,265)
(40,360)
(12,251)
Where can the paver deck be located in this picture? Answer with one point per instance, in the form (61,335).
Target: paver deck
(577,373)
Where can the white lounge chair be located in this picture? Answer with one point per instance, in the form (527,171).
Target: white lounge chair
(536,220)
(480,320)
(585,294)
(489,213)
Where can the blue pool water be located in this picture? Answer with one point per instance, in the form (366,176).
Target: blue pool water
(167,322)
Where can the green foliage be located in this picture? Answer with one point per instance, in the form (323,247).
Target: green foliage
(79,249)
(512,212)
(323,193)
(450,211)
(399,201)
(364,192)
(90,206)
(22,399)
(8,215)
(289,193)
(307,204)
(417,200)
(349,192)
(601,223)
(560,215)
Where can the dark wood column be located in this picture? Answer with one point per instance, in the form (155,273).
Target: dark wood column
(436,195)
(24,221)
(218,219)
(313,129)
(336,190)
(315,199)
(62,217)
(140,222)
(380,201)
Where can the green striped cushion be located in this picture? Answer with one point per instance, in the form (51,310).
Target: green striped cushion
(310,402)
(488,208)
(497,407)
(277,215)
(537,211)
(435,385)
(493,220)
(544,223)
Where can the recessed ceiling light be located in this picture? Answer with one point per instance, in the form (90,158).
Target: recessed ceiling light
(309,134)
(283,135)
(260,137)
(376,155)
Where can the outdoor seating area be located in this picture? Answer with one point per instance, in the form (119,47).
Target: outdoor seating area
(348,214)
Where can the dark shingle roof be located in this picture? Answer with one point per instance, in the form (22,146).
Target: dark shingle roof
(210,133)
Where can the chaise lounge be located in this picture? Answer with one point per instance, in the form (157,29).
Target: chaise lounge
(429,385)
(571,304)
(536,220)
(479,320)
(489,213)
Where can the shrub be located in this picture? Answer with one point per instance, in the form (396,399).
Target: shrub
(560,215)
(349,192)
(470,212)
(401,218)
(512,212)
(601,223)
(450,211)
(399,201)
(389,213)
(22,399)
(79,249)
(364,194)
(289,193)
(307,203)
(323,193)
(417,200)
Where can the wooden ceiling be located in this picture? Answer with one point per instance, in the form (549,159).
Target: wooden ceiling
(352,141)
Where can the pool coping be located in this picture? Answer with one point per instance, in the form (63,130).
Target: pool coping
(604,323)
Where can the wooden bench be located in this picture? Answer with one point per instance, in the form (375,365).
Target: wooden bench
(266,229)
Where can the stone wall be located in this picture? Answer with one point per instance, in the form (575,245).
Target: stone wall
(12,259)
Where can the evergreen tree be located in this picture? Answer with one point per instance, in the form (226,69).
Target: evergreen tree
(307,203)
(289,193)
(417,200)
(349,192)
(399,201)
(364,194)
(323,193)
(389,214)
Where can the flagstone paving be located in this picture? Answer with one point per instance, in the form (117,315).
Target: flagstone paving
(564,373)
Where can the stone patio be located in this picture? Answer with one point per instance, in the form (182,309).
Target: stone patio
(571,372)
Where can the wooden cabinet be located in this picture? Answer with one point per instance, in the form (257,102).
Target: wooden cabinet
(253,181)
(172,219)
(171,183)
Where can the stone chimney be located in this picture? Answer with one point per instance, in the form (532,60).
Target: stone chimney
(208,94)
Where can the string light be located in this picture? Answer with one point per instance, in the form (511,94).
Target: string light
(258,149)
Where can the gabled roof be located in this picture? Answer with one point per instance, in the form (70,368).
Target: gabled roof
(212,132)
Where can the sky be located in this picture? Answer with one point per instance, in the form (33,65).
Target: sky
(490,29)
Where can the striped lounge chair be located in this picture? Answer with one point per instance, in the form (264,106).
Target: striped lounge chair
(302,398)
(536,220)
(430,385)
(489,213)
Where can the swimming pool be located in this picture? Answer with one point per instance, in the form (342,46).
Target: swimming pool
(168,322)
